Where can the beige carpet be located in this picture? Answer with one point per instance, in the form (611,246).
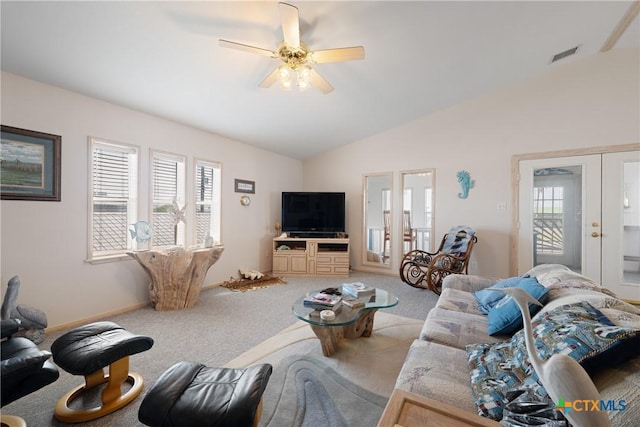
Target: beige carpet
(372,363)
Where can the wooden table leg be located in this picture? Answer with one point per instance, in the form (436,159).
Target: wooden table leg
(363,326)
(329,337)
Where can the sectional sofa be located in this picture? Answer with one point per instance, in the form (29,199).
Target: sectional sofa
(455,361)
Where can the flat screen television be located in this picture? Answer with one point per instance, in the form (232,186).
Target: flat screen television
(313,214)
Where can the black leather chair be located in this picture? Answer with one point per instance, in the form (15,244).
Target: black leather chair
(25,368)
(190,394)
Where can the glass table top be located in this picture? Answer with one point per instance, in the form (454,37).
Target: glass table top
(345,314)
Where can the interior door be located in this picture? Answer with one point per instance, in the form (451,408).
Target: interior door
(583,212)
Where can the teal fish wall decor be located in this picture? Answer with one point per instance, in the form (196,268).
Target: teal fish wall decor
(465,182)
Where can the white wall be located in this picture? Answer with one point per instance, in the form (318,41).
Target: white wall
(45,243)
(589,103)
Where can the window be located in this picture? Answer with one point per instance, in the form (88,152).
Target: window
(386,199)
(168,199)
(113,199)
(548,225)
(407,199)
(428,206)
(207,200)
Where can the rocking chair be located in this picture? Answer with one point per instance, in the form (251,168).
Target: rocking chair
(426,270)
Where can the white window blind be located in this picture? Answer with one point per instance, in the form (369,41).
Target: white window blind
(168,192)
(113,197)
(207,200)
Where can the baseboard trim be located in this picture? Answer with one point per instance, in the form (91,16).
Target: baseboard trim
(102,316)
(95,318)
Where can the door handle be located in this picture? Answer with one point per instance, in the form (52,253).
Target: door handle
(595,234)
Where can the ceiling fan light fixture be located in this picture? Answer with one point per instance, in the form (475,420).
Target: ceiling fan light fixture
(304,77)
(289,76)
(295,55)
(285,77)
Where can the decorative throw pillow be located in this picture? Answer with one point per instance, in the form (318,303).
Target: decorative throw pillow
(578,330)
(487,298)
(505,316)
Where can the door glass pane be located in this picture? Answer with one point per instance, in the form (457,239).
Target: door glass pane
(631,223)
(417,210)
(557,216)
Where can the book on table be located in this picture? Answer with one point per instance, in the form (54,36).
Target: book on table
(353,302)
(322,301)
(357,289)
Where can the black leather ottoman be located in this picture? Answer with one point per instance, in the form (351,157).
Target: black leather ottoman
(86,351)
(190,394)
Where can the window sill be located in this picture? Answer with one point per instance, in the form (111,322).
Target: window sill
(108,258)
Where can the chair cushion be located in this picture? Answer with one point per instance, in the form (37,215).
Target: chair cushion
(191,394)
(21,354)
(88,348)
(457,240)
(25,369)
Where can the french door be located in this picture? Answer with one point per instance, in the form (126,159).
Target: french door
(582,212)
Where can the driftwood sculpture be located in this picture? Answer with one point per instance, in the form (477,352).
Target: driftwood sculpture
(32,320)
(176,274)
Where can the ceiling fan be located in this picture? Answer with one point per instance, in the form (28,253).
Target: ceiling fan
(296,56)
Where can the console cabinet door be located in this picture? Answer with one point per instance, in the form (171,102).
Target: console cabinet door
(298,263)
(289,263)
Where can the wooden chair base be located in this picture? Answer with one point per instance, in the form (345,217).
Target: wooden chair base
(256,419)
(112,396)
(12,421)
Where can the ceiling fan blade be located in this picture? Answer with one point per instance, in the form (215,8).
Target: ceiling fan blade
(269,80)
(290,24)
(319,82)
(337,55)
(247,48)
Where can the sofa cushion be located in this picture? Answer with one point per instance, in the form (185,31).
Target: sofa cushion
(505,316)
(559,296)
(621,382)
(578,330)
(545,268)
(487,299)
(552,277)
(459,301)
(456,329)
(469,283)
(439,372)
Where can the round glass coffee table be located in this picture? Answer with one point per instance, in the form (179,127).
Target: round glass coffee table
(348,323)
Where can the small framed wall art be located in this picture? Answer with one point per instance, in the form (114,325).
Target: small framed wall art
(29,165)
(244,186)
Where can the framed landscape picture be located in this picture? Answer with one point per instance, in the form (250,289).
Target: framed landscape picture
(29,165)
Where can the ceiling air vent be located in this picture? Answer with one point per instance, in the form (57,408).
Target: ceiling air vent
(564,54)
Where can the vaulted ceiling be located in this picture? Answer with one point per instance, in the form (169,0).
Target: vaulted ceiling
(163,58)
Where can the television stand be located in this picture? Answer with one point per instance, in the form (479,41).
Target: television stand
(312,256)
